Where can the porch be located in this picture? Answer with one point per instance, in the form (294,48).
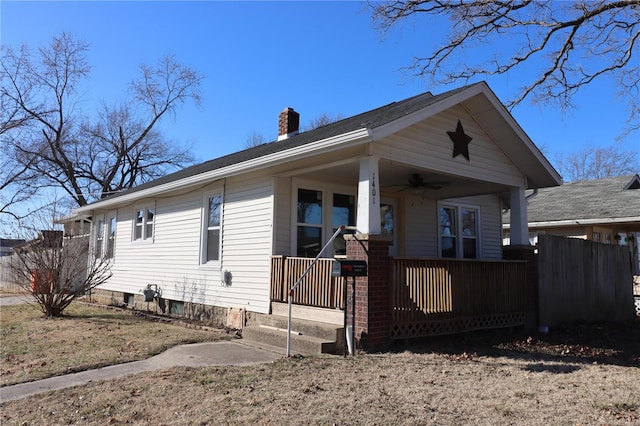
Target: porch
(426,297)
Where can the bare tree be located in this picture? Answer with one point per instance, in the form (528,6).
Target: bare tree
(88,156)
(596,163)
(322,120)
(255,139)
(574,43)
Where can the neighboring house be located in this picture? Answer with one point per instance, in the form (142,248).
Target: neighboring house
(603,210)
(433,173)
(7,246)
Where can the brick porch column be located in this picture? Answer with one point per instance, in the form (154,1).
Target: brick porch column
(526,252)
(372,313)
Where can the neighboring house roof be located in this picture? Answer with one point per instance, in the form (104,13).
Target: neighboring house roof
(608,200)
(45,239)
(8,244)
(361,128)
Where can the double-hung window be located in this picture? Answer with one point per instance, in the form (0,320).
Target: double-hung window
(459,231)
(105,236)
(111,236)
(143,223)
(99,237)
(211,240)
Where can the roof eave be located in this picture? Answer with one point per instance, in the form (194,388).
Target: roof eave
(344,140)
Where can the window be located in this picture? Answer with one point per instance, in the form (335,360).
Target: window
(211,240)
(128,299)
(111,237)
(319,212)
(309,223)
(99,238)
(105,236)
(388,211)
(143,223)
(458,232)
(344,213)
(596,237)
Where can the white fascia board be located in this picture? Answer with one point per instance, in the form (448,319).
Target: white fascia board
(422,114)
(341,141)
(72,217)
(579,222)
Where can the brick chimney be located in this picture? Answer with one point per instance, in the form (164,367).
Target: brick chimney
(288,123)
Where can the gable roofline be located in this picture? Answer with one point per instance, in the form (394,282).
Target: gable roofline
(634,183)
(528,163)
(359,129)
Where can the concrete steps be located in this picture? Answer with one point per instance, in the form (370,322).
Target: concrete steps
(307,337)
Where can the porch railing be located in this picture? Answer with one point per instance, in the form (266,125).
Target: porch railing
(445,296)
(318,288)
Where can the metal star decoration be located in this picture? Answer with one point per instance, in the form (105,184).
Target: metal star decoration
(460,141)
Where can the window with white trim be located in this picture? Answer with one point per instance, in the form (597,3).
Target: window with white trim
(212,220)
(105,236)
(309,223)
(111,236)
(319,213)
(343,213)
(459,231)
(143,223)
(99,237)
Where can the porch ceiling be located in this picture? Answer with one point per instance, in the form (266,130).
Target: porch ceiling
(394,181)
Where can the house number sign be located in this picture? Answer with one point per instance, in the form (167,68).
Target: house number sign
(373,190)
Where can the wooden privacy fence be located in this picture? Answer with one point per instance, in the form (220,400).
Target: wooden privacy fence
(8,276)
(583,281)
(317,289)
(446,296)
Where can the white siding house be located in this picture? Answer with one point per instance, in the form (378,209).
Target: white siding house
(205,235)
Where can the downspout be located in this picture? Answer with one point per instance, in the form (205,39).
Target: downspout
(225,276)
(90,249)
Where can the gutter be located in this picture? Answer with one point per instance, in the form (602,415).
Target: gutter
(580,222)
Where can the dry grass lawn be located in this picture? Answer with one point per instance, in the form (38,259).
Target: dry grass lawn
(583,375)
(88,337)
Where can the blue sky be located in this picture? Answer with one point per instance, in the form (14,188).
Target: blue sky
(260,57)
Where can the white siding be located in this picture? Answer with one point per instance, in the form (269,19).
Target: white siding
(427,145)
(282,216)
(172,260)
(421,227)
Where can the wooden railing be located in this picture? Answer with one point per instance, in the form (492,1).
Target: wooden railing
(442,296)
(317,289)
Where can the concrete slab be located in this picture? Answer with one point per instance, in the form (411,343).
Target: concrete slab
(193,355)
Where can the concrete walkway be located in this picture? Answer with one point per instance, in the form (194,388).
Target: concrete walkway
(194,355)
(15,300)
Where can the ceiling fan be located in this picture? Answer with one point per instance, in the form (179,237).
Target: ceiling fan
(416,181)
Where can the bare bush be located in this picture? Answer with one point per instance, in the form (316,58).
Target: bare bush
(56,271)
